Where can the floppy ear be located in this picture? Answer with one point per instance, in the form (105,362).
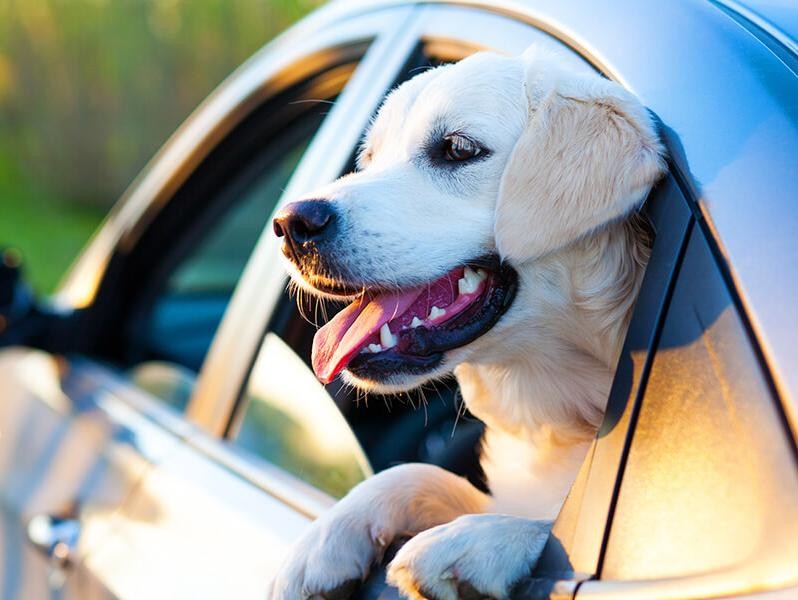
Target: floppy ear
(589,154)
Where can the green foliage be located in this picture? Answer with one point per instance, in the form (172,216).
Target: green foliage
(89,89)
(49,233)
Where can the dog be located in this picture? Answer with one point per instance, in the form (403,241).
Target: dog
(489,231)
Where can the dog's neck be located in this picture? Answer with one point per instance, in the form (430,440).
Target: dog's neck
(555,381)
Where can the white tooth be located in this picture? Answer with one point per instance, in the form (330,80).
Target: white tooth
(415,322)
(468,273)
(463,286)
(482,274)
(435,312)
(472,278)
(387,339)
(375,348)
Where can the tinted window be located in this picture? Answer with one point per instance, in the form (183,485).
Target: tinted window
(710,479)
(172,329)
(183,318)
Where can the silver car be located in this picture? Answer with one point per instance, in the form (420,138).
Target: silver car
(161,434)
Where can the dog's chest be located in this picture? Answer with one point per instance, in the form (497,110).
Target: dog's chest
(529,478)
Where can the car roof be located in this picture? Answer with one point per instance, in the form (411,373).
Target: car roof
(723,78)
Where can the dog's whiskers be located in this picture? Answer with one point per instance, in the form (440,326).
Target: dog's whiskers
(461,409)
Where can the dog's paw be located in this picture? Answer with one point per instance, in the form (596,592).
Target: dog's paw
(474,556)
(332,558)
(336,553)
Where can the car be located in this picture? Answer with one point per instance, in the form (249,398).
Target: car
(162,435)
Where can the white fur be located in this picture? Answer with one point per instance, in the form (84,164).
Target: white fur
(571,155)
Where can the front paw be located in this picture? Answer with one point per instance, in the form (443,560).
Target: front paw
(474,556)
(334,556)
(332,559)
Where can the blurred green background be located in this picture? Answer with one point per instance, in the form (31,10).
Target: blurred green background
(90,89)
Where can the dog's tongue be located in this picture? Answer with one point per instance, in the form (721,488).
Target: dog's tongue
(339,340)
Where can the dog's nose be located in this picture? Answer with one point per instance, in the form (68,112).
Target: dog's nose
(304,221)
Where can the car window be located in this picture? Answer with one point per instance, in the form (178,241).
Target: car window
(181,321)
(173,330)
(710,477)
(291,421)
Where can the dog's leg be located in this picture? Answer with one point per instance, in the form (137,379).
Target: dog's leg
(474,556)
(337,551)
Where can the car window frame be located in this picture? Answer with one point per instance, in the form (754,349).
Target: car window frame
(450,39)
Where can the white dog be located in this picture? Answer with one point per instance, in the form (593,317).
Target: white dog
(485,233)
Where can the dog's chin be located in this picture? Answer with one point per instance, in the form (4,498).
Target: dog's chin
(430,328)
(396,382)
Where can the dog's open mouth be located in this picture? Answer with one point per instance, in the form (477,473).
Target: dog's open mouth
(407,331)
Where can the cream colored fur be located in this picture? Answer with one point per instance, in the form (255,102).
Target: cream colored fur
(572,155)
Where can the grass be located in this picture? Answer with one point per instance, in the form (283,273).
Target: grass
(49,233)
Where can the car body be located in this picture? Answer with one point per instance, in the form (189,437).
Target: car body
(162,437)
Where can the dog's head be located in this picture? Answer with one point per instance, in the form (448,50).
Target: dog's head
(469,173)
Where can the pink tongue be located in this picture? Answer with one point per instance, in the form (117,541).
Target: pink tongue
(339,340)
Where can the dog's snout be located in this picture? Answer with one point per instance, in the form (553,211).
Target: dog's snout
(304,221)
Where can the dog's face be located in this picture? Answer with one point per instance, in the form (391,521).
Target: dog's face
(469,174)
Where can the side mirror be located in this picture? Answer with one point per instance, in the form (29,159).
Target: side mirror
(24,320)
(20,316)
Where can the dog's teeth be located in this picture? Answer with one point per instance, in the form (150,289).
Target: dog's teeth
(416,322)
(468,285)
(464,286)
(387,339)
(375,348)
(472,278)
(435,312)
(482,274)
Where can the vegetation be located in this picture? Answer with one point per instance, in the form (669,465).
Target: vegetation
(89,89)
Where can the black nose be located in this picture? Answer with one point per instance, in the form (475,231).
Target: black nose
(304,221)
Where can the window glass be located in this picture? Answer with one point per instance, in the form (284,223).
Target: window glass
(710,480)
(170,336)
(291,421)
(187,312)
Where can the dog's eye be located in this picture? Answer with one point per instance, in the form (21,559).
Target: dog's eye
(458,148)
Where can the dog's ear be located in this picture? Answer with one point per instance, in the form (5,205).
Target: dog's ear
(589,154)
